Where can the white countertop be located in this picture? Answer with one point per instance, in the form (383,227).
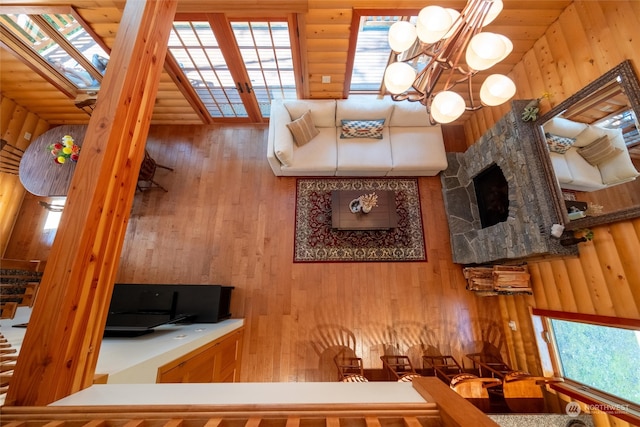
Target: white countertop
(243,393)
(136,360)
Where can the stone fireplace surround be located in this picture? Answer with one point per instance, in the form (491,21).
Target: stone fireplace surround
(511,144)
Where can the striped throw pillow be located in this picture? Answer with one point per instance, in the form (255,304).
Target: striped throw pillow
(303,129)
(599,151)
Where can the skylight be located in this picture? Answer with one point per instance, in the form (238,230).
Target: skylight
(62,44)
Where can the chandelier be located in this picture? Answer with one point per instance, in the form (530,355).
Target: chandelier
(434,48)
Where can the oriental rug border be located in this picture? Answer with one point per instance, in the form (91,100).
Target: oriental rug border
(316,241)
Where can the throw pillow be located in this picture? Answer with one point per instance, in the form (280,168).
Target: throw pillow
(599,151)
(303,129)
(558,144)
(362,129)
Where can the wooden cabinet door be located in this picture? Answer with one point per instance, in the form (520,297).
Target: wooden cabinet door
(217,361)
(227,361)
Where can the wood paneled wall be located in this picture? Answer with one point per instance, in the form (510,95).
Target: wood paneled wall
(15,122)
(327,26)
(588,39)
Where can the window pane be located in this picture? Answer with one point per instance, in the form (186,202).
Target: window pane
(80,39)
(60,59)
(600,357)
(372,52)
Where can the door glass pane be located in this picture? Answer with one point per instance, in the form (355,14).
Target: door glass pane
(195,48)
(601,357)
(265,48)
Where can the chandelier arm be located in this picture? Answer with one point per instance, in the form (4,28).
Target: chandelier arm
(444,60)
(472,107)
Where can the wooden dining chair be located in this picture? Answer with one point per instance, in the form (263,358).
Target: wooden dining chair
(348,366)
(523,392)
(489,365)
(444,367)
(10,157)
(399,367)
(148,171)
(474,389)
(87,105)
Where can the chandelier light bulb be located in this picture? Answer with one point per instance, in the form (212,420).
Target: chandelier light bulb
(399,77)
(497,89)
(453,28)
(402,35)
(433,23)
(447,106)
(494,11)
(445,38)
(487,49)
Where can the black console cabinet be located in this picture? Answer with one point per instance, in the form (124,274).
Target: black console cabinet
(137,308)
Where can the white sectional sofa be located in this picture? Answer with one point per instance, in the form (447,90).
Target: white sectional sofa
(409,145)
(573,171)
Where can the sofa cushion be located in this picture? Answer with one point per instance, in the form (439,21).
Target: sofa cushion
(564,127)
(599,151)
(362,129)
(618,170)
(283,145)
(362,108)
(409,114)
(316,158)
(303,129)
(582,172)
(558,144)
(417,151)
(363,156)
(323,112)
(561,168)
(589,135)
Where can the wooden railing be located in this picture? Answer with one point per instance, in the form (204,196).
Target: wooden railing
(412,415)
(442,408)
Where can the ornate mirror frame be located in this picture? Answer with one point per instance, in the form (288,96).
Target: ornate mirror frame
(627,78)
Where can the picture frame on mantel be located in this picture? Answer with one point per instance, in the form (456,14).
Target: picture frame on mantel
(628,81)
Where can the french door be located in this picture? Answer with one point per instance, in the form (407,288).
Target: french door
(236,67)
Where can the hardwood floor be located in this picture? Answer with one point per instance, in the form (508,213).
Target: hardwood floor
(227,219)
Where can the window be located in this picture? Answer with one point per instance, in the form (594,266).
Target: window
(614,369)
(57,46)
(372,52)
(598,356)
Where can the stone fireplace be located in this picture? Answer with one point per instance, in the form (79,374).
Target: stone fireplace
(520,214)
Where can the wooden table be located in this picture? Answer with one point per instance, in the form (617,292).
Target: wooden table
(39,173)
(382,217)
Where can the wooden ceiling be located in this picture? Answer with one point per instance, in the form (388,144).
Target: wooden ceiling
(324,43)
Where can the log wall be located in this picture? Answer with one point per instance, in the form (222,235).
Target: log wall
(15,122)
(588,39)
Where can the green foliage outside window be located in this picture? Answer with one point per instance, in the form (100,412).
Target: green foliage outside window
(600,357)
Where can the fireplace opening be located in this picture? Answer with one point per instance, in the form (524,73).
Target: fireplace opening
(492,193)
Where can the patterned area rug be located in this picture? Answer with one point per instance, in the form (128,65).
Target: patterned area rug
(316,241)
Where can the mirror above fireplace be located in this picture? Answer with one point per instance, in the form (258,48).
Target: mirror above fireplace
(591,150)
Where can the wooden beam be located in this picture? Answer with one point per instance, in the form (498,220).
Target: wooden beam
(455,410)
(62,343)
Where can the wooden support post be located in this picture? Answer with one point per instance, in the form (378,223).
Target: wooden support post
(61,345)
